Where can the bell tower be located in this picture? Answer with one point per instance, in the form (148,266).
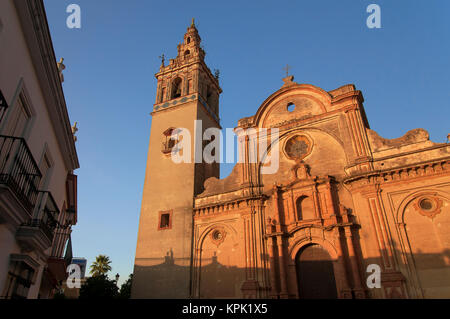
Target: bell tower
(187,94)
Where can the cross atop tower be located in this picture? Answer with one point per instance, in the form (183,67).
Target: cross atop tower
(163,59)
(289,79)
(287,68)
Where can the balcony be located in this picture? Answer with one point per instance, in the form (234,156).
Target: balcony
(38,233)
(167,148)
(171,140)
(3,106)
(19,175)
(71,193)
(57,265)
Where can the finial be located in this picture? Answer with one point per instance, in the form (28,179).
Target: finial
(193,23)
(61,67)
(289,79)
(163,59)
(287,68)
(74,130)
(217,74)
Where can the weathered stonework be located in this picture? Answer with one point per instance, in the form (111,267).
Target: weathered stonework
(343,198)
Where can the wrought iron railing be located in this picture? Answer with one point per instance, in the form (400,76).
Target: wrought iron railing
(50,208)
(3,106)
(48,216)
(43,226)
(18,170)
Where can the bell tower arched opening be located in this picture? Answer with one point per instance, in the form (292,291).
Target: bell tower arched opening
(176,88)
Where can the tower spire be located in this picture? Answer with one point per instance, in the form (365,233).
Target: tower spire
(190,47)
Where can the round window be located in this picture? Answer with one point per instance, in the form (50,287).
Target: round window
(297,147)
(291,107)
(217,235)
(426,204)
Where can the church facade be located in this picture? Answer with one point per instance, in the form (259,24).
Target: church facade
(344,205)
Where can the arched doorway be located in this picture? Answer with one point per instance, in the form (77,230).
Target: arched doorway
(315,273)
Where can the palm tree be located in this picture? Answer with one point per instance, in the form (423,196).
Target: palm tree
(100,266)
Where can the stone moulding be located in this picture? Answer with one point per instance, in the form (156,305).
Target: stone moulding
(176,102)
(399,174)
(431,199)
(218,235)
(237,204)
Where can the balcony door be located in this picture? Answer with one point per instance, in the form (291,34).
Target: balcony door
(18,119)
(45,169)
(15,125)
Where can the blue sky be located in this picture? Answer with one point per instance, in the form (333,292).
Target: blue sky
(403,70)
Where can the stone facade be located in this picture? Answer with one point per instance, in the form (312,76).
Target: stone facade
(342,199)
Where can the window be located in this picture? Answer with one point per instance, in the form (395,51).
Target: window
(163,95)
(297,147)
(71,193)
(18,118)
(19,280)
(176,88)
(170,140)
(165,220)
(188,40)
(46,169)
(291,107)
(187,52)
(218,236)
(426,204)
(211,98)
(208,93)
(189,87)
(305,208)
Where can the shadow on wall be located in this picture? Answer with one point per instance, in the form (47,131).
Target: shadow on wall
(169,280)
(425,275)
(220,281)
(430,278)
(165,280)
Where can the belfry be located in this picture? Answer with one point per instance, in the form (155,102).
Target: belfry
(186,91)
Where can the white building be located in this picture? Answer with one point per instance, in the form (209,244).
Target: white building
(38,190)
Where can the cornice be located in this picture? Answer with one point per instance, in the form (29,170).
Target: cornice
(179,66)
(400,174)
(37,34)
(160,107)
(234,205)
